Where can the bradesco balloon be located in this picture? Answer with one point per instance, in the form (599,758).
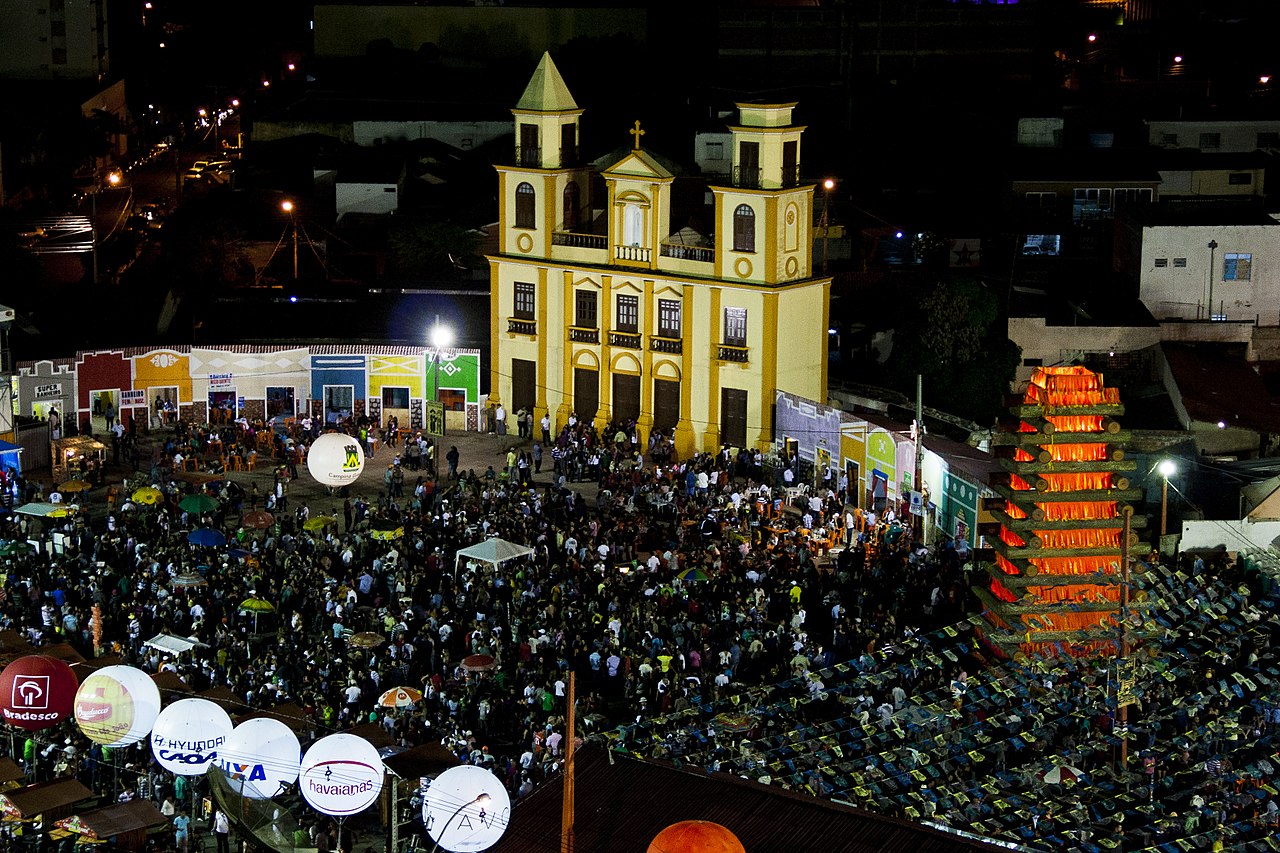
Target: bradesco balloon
(188,735)
(37,692)
(117,705)
(466,809)
(260,758)
(341,775)
(335,459)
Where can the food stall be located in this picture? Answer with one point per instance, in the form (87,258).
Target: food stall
(67,453)
(124,824)
(49,801)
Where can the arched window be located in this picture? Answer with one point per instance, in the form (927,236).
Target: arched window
(744,229)
(525,198)
(570,206)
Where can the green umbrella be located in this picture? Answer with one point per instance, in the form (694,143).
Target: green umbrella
(198,503)
(691,575)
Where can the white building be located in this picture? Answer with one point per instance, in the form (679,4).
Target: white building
(1185,261)
(53,39)
(1217,136)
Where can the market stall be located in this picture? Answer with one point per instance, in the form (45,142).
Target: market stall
(67,454)
(51,800)
(124,824)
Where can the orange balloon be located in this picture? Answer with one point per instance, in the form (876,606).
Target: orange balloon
(696,836)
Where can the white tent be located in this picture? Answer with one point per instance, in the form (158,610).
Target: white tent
(174,645)
(494,551)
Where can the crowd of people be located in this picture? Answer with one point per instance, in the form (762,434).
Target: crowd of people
(711,613)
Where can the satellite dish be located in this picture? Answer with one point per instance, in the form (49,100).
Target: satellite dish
(466,809)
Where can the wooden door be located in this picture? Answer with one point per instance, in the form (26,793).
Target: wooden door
(666,404)
(733,417)
(586,392)
(524,384)
(626,398)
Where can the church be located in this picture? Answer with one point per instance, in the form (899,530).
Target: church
(605,306)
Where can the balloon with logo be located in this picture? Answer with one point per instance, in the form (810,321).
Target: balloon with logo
(466,809)
(117,705)
(37,692)
(341,775)
(260,758)
(335,459)
(188,736)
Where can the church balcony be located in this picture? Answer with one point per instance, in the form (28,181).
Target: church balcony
(517,326)
(584,335)
(579,241)
(529,156)
(572,247)
(630,340)
(748,177)
(568,155)
(681,252)
(673,346)
(733,352)
(639,254)
(791,176)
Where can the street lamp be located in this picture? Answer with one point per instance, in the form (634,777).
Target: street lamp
(441,337)
(113,180)
(288,207)
(1213,245)
(481,800)
(827,186)
(1167,469)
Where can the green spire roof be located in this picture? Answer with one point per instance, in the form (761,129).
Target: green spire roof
(546,91)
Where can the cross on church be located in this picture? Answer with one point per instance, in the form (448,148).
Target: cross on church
(637,133)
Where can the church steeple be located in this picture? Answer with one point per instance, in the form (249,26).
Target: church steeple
(546,120)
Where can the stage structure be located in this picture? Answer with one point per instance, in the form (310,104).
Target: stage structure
(1056,582)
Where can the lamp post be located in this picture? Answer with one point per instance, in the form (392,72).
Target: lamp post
(1213,246)
(1167,469)
(441,337)
(113,180)
(481,800)
(827,186)
(288,207)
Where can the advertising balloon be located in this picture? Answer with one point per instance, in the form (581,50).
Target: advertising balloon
(117,705)
(188,735)
(335,459)
(466,809)
(260,758)
(341,775)
(37,692)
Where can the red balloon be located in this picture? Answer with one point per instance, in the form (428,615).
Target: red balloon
(37,692)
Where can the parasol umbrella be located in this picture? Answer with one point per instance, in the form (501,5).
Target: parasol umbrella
(320,522)
(387,535)
(61,512)
(257,607)
(399,697)
(728,722)
(198,503)
(208,537)
(366,640)
(74,486)
(237,553)
(1062,774)
(148,495)
(479,663)
(692,575)
(258,519)
(186,579)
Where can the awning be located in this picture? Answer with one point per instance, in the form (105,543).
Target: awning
(10,771)
(494,551)
(31,800)
(39,509)
(114,820)
(174,645)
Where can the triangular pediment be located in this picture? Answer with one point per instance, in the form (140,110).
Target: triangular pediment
(637,164)
(546,92)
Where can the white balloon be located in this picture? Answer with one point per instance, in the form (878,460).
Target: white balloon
(466,809)
(335,459)
(117,705)
(341,775)
(188,735)
(260,758)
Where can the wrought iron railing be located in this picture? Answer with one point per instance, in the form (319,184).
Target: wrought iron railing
(580,241)
(733,352)
(687,253)
(791,176)
(568,155)
(747,177)
(624,339)
(522,327)
(528,155)
(584,335)
(667,345)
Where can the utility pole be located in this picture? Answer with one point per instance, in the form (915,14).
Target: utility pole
(918,525)
(570,738)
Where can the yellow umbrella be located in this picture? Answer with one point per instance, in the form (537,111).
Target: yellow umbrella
(148,495)
(320,522)
(257,605)
(74,486)
(387,535)
(61,512)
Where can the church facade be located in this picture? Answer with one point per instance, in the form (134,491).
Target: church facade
(606,305)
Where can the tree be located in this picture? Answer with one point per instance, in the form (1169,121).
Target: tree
(955,339)
(421,249)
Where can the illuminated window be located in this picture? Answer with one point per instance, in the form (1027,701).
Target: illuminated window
(1237,266)
(735,327)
